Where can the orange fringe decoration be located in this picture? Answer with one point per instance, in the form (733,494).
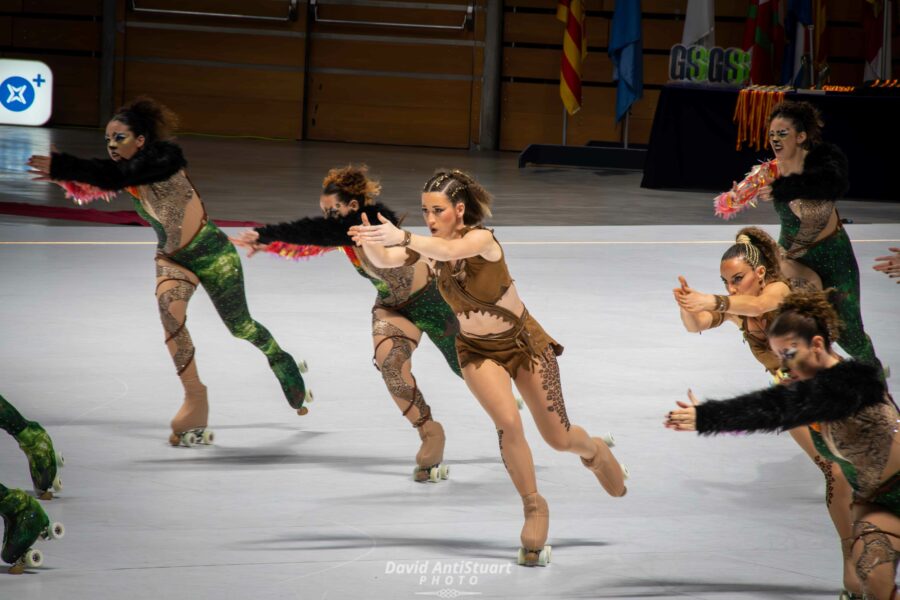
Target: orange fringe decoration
(751,113)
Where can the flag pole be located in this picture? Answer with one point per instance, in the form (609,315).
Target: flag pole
(812,57)
(565,125)
(625,131)
(885,41)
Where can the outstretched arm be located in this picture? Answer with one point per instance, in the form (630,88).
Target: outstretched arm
(697,321)
(479,242)
(832,395)
(742,305)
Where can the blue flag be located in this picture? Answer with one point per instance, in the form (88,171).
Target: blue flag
(798,16)
(626,52)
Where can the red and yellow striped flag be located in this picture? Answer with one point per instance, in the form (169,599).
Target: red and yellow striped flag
(571,12)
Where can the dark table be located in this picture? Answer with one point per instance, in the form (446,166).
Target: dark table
(692,143)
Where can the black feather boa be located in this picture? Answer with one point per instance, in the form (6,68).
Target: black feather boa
(153,163)
(321,231)
(824,176)
(833,394)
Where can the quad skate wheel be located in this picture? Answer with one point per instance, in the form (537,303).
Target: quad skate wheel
(302,366)
(445,472)
(544,556)
(309,397)
(33,558)
(434,475)
(520,403)
(625,471)
(608,439)
(189,439)
(55,531)
(520,559)
(60,460)
(57,484)
(208,437)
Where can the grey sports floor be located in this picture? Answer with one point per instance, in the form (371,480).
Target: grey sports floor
(323,506)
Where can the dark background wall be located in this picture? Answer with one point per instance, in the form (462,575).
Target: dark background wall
(302,79)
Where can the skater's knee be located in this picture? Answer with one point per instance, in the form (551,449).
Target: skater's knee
(561,442)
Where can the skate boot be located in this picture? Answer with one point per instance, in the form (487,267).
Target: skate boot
(289,376)
(609,472)
(189,425)
(845,595)
(43,461)
(534,533)
(431,453)
(25,521)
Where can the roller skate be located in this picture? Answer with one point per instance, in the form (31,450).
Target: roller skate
(609,472)
(431,453)
(189,425)
(24,522)
(533,552)
(43,460)
(289,376)
(845,595)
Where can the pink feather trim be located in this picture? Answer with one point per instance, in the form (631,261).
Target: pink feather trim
(744,194)
(297,251)
(83,193)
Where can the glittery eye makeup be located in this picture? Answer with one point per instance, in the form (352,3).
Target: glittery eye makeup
(780,134)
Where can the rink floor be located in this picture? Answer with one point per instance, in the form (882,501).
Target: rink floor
(323,506)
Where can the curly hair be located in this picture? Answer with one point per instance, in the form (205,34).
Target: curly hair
(351,183)
(462,187)
(804,117)
(808,314)
(147,117)
(756,248)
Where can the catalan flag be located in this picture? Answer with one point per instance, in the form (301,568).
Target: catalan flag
(571,12)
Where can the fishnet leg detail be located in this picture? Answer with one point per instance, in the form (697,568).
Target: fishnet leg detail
(391,368)
(877,548)
(173,326)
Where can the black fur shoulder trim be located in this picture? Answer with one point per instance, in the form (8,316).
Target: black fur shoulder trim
(825,176)
(832,395)
(154,163)
(319,231)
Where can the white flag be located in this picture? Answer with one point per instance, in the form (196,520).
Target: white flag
(699,24)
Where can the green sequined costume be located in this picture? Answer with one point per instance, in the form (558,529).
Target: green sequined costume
(24,522)
(834,261)
(35,443)
(214,260)
(805,203)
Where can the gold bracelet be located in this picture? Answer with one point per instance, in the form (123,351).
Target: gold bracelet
(723,303)
(407,238)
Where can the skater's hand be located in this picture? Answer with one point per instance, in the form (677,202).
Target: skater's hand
(248,239)
(890,264)
(40,165)
(765,193)
(691,300)
(384,234)
(683,418)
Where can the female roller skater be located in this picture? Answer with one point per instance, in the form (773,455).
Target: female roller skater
(406,305)
(499,341)
(751,272)
(852,418)
(191,250)
(812,175)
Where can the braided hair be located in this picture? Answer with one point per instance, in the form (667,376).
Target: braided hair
(462,187)
(756,248)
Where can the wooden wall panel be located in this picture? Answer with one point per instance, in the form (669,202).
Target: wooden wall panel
(5,31)
(66,36)
(387,56)
(63,7)
(371,83)
(221,75)
(389,110)
(30,32)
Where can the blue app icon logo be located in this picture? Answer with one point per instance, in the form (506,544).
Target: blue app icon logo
(16,94)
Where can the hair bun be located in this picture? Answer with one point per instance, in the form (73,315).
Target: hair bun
(743,239)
